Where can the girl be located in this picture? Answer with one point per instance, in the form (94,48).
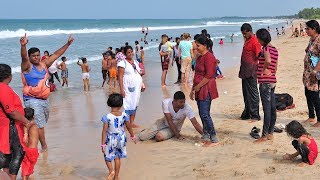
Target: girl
(113,135)
(305,145)
(266,74)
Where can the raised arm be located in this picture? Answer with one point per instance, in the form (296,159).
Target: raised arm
(25,63)
(59,52)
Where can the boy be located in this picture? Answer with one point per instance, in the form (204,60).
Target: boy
(105,68)
(85,73)
(64,71)
(113,70)
(218,71)
(31,138)
(142,54)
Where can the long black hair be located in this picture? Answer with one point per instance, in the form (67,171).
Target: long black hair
(264,36)
(313,24)
(295,129)
(203,40)
(5,72)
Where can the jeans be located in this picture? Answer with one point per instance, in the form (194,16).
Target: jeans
(313,102)
(179,68)
(269,108)
(251,99)
(204,112)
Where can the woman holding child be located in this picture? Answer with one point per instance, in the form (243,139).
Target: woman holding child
(130,83)
(12,121)
(204,87)
(311,69)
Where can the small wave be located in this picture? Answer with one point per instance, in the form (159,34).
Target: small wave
(4,34)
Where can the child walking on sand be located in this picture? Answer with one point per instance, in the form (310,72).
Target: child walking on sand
(64,71)
(112,70)
(31,138)
(113,142)
(85,73)
(304,143)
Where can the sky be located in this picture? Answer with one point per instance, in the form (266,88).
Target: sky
(148,9)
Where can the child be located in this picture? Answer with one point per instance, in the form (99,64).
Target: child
(166,49)
(113,142)
(142,54)
(85,73)
(64,71)
(112,70)
(304,143)
(221,42)
(31,139)
(218,71)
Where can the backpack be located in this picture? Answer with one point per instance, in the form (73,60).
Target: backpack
(283,101)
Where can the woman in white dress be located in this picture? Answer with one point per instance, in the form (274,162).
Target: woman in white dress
(130,83)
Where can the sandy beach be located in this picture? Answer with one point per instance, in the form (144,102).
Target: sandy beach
(74,132)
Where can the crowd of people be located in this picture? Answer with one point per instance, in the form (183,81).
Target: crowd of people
(22,128)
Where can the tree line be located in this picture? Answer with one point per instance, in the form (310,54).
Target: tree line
(309,13)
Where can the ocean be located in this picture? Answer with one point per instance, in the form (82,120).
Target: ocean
(92,37)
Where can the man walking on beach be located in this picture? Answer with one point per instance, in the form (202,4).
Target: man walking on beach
(175,112)
(248,69)
(36,90)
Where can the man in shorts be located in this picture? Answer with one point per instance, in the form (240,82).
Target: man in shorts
(105,68)
(186,54)
(165,58)
(175,112)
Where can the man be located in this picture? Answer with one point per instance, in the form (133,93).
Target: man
(34,77)
(164,51)
(176,56)
(248,70)
(175,112)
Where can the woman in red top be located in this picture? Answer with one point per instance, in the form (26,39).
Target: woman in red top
(204,87)
(12,121)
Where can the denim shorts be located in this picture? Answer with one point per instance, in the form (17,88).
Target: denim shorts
(41,110)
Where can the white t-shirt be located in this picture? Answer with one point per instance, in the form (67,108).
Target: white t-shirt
(54,67)
(177,117)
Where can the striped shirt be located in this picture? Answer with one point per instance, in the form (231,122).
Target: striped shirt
(262,78)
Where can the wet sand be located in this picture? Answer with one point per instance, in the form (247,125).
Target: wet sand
(74,132)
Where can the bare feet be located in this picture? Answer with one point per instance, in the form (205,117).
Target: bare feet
(310,120)
(209,144)
(270,136)
(316,124)
(260,140)
(111,175)
(302,164)
(135,126)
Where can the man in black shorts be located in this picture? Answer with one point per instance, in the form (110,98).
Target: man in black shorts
(105,67)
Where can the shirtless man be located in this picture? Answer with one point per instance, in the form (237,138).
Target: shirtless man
(64,71)
(85,73)
(105,68)
(112,70)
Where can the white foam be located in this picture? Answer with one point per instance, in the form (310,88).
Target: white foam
(4,34)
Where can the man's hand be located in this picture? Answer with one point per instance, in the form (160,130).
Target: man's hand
(24,40)
(70,40)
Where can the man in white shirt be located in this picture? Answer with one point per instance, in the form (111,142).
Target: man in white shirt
(53,71)
(175,112)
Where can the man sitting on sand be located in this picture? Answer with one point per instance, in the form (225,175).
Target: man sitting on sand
(175,112)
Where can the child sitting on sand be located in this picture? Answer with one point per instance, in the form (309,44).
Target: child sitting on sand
(85,73)
(31,138)
(304,143)
(114,140)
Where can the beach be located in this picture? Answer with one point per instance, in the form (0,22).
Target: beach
(74,131)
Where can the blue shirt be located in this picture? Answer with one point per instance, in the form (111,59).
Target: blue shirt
(186,48)
(115,123)
(33,77)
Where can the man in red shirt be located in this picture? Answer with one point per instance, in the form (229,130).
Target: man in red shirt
(12,121)
(248,69)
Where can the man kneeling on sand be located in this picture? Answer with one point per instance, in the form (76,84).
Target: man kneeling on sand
(175,112)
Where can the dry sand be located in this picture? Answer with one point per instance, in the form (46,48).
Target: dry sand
(74,134)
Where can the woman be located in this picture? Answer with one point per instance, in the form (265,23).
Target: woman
(266,75)
(204,87)
(310,81)
(12,121)
(130,83)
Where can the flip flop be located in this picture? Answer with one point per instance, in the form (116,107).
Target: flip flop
(255,128)
(255,134)
(277,130)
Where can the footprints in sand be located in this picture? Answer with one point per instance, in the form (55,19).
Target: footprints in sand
(202,171)
(274,151)
(270,170)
